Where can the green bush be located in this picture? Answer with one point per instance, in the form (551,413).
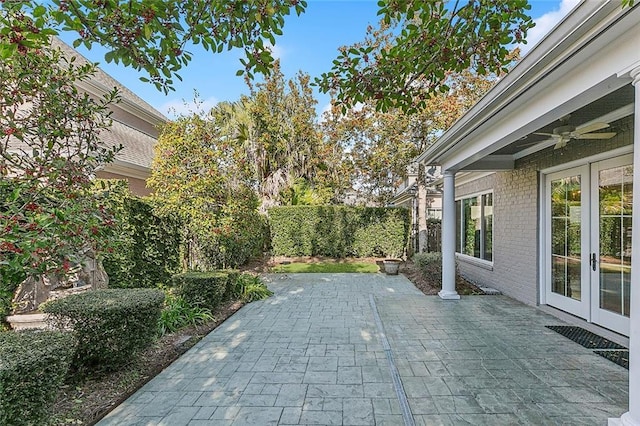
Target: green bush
(148,249)
(177,313)
(244,234)
(33,365)
(111,325)
(205,289)
(249,287)
(430,265)
(338,231)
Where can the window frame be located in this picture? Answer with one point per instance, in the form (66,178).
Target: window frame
(460,225)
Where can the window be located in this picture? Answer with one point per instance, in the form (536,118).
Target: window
(474,226)
(434,213)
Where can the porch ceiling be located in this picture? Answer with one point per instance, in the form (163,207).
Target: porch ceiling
(608,109)
(595,111)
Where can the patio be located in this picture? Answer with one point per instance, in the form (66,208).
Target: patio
(365,349)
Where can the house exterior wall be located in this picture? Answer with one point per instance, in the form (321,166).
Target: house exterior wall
(136,186)
(516,215)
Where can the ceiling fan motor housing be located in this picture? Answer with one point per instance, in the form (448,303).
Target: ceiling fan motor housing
(563,130)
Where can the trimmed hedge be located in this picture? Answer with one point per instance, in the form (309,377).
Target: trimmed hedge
(33,366)
(149,246)
(111,325)
(339,231)
(206,289)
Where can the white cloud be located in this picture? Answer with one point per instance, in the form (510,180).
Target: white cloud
(177,107)
(546,22)
(326,110)
(276,51)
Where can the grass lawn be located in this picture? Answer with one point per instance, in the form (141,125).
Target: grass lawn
(327,267)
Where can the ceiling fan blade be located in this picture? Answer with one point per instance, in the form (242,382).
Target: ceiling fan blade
(590,128)
(605,135)
(561,142)
(544,134)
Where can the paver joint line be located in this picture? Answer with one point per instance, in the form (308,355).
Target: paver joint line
(395,376)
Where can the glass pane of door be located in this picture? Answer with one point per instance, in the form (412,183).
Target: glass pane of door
(615,194)
(566,213)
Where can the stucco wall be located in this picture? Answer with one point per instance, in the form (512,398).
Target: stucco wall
(516,215)
(136,186)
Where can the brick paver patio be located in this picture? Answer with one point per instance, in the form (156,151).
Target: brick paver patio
(326,348)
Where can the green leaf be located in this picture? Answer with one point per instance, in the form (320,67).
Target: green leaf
(39,11)
(147,31)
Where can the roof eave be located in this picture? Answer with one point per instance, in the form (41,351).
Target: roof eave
(550,51)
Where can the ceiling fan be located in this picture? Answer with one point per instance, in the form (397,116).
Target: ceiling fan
(563,134)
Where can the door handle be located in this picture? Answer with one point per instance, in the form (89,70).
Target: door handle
(593,262)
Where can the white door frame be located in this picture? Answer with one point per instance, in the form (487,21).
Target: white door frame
(603,317)
(580,308)
(546,175)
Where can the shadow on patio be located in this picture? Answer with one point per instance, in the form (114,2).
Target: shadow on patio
(330,348)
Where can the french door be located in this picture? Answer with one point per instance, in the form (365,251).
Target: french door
(588,241)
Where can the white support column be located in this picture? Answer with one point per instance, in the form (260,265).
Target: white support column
(632,417)
(449,238)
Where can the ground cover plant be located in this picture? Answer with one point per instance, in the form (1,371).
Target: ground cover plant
(249,287)
(177,313)
(327,267)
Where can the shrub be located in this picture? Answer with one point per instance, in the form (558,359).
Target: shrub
(338,231)
(381,237)
(177,313)
(149,245)
(430,265)
(205,289)
(244,233)
(111,325)
(33,365)
(250,287)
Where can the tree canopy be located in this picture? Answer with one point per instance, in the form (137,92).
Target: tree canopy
(430,39)
(407,60)
(153,35)
(50,147)
(379,145)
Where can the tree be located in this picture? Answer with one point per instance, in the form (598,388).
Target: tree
(407,60)
(380,145)
(153,35)
(431,38)
(49,150)
(194,175)
(276,139)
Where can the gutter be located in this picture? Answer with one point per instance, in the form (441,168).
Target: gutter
(127,169)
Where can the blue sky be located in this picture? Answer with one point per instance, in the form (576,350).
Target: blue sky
(309,43)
